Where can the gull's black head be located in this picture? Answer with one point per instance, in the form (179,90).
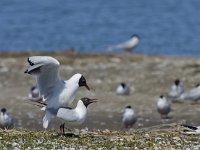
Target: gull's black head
(123,85)
(3,110)
(161,96)
(82,82)
(86,101)
(129,106)
(177,82)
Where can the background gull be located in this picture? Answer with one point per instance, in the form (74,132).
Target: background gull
(192,95)
(122,89)
(176,90)
(129,117)
(6,120)
(127,45)
(34,92)
(163,107)
(58,93)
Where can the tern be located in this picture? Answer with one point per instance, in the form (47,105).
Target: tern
(57,92)
(34,92)
(127,45)
(122,89)
(192,95)
(176,90)
(163,107)
(129,117)
(6,120)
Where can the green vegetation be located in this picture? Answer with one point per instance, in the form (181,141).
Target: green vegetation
(154,139)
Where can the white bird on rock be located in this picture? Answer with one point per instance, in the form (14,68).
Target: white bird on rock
(57,92)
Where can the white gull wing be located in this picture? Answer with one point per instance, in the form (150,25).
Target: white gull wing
(46,69)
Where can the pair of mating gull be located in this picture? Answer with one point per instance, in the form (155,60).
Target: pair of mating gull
(58,93)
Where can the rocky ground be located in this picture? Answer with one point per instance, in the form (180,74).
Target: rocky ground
(147,76)
(166,137)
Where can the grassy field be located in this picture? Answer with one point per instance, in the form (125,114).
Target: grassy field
(171,138)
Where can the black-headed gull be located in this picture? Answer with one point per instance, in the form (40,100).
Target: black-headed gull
(127,45)
(57,92)
(6,120)
(129,117)
(176,90)
(163,106)
(75,116)
(122,89)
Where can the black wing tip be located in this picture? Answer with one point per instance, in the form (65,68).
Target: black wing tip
(26,71)
(190,127)
(30,62)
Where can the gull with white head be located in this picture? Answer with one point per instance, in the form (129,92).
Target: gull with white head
(57,92)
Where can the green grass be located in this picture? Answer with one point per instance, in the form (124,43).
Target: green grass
(154,139)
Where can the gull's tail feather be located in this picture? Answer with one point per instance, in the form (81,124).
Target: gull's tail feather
(46,120)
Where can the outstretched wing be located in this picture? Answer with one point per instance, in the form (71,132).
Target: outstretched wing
(46,69)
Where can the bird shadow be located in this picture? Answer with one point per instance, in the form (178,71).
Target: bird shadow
(67,135)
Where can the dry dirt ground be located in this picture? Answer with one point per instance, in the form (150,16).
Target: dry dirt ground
(147,76)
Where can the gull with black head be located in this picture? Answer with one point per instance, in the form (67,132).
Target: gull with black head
(57,92)
(74,116)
